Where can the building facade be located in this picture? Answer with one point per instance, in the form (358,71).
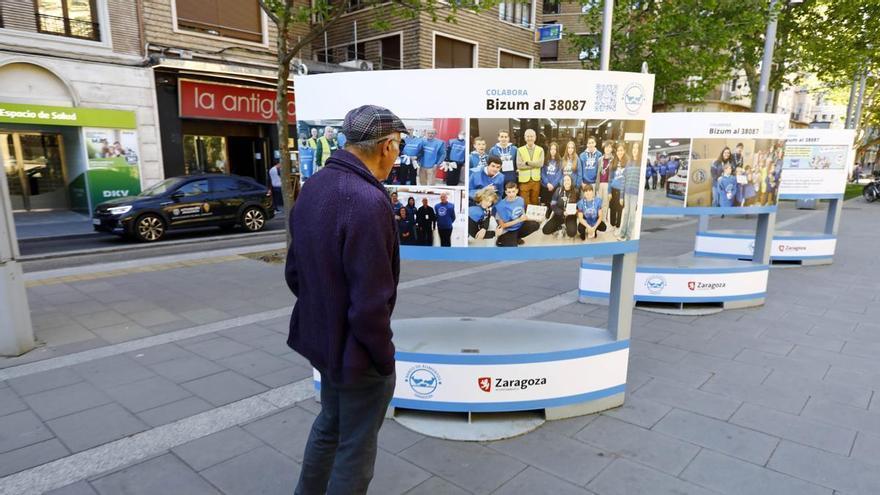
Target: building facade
(78,121)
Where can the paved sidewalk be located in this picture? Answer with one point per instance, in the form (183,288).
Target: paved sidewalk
(43,224)
(175,379)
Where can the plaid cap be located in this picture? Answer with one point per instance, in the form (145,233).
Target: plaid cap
(370,122)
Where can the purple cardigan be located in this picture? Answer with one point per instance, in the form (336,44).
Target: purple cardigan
(343,266)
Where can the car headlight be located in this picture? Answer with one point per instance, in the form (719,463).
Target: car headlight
(119,210)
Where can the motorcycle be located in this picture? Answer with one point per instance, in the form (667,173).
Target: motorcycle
(872,191)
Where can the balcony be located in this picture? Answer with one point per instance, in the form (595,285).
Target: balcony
(71,28)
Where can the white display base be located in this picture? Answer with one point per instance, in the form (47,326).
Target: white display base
(788,247)
(487,366)
(682,285)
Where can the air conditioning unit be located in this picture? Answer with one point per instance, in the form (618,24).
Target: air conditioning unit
(358,64)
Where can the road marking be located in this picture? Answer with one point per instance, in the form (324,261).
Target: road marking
(130,450)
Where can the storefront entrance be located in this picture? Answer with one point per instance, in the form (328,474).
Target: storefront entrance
(35,170)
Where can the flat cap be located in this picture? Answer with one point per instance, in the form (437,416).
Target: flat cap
(370,122)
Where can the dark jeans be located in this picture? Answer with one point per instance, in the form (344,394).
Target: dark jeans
(615,207)
(511,238)
(556,221)
(474,228)
(453,177)
(445,237)
(277,198)
(341,450)
(582,231)
(425,235)
(406,175)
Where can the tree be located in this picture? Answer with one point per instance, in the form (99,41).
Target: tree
(688,44)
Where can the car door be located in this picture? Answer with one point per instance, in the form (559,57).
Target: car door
(190,205)
(227,195)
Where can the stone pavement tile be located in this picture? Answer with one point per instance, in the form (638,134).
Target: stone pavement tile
(837,359)
(165,474)
(81,308)
(646,446)
(848,417)
(262,470)
(686,375)
(733,476)
(124,332)
(861,349)
(21,429)
(690,342)
(862,379)
(68,297)
(803,367)
(291,373)
(671,394)
(186,368)
(394,476)
(112,371)
(62,401)
(437,486)
(711,433)
(224,387)
(138,306)
(174,411)
(734,340)
(213,449)
(44,380)
(147,394)
(781,399)
(205,315)
(639,411)
(71,333)
(116,297)
(561,456)
(97,426)
(48,320)
(30,456)
(10,402)
(217,348)
(254,363)
(796,428)
(844,474)
(843,392)
(393,437)
(159,353)
(471,466)
(78,488)
(101,319)
(532,481)
(287,431)
(657,351)
(569,426)
(293,357)
(727,368)
(804,339)
(247,333)
(153,317)
(867,448)
(625,477)
(313,406)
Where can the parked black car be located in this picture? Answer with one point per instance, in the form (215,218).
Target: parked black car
(185,202)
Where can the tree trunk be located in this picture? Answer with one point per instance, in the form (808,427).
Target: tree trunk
(754,83)
(281,102)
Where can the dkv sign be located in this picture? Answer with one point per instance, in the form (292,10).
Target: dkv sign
(205,100)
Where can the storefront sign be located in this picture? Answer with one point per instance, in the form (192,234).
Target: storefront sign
(550,32)
(114,160)
(18,113)
(206,100)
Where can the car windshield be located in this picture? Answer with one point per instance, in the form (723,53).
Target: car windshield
(160,188)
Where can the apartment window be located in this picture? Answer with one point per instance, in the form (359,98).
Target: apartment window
(516,12)
(550,7)
(451,53)
(71,18)
(511,61)
(389,53)
(239,19)
(355,52)
(550,51)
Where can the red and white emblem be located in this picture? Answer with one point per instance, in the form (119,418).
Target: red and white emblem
(692,285)
(485,383)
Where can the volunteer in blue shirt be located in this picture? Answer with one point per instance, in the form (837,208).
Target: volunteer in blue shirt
(340,139)
(456,152)
(306,156)
(563,208)
(507,153)
(717,170)
(480,214)
(490,176)
(411,208)
(479,156)
(445,219)
(396,205)
(632,177)
(589,208)
(663,170)
(588,162)
(433,154)
(412,149)
(510,213)
(726,187)
(551,176)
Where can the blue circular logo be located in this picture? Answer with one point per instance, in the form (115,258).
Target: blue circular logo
(633,97)
(655,284)
(423,380)
(699,176)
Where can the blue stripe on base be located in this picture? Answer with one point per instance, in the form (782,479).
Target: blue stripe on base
(709,270)
(798,237)
(586,250)
(811,196)
(538,357)
(528,405)
(745,257)
(707,210)
(685,300)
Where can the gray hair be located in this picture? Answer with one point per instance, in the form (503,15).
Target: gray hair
(365,147)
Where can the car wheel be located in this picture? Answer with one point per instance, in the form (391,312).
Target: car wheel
(869,193)
(149,228)
(253,219)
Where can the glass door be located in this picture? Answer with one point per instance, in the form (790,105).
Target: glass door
(35,170)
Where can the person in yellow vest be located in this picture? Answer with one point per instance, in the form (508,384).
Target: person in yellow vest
(313,138)
(529,160)
(326,146)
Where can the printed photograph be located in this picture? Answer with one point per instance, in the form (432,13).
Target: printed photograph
(666,172)
(814,157)
(430,216)
(554,181)
(432,152)
(735,172)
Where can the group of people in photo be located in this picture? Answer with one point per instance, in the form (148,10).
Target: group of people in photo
(416,224)
(427,160)
(314,150)
(735,182)
(663,168)
(576,194)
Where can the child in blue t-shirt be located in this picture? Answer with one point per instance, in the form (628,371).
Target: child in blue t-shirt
(588,163)
(478,157)
(480,214)
(507,153)
(551,176)
(589,207)
(726,187)
(510,213)
(456,151)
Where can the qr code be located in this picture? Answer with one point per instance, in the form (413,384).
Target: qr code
(606,98)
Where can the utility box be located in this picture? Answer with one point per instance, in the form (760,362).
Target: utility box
(16,331)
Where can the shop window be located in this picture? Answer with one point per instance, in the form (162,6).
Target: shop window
(508,60)
(516,12)
(203,154)
(239,19)
(550,51)
(451,53)
(71,18)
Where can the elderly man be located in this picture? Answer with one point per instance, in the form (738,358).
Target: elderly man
(433,154)
(445,219)
(343,266)
(326,146)
(530,159)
